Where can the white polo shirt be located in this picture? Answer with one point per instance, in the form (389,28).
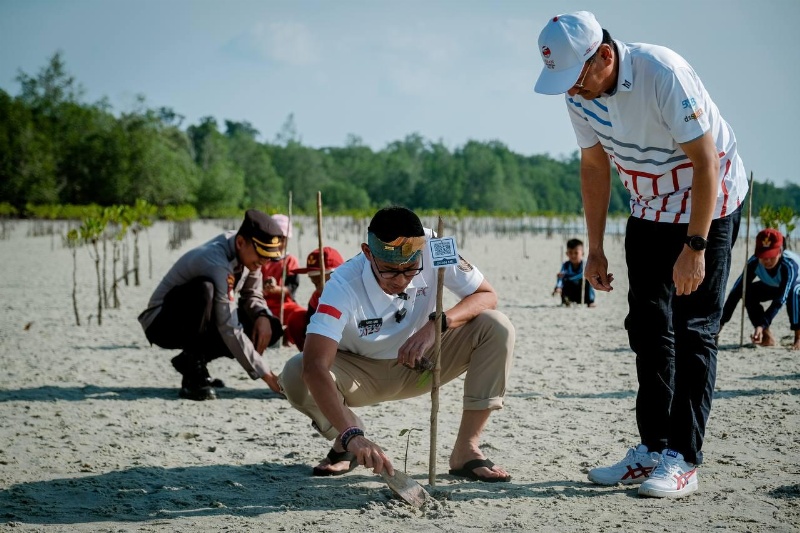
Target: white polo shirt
(355,312)
(659,103)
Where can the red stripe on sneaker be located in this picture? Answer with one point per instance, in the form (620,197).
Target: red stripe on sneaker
(639,471)
(683,479)
(326,309)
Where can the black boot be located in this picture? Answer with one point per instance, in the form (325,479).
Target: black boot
(196,383)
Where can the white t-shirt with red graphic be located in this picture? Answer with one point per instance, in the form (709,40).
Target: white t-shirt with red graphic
(354,311)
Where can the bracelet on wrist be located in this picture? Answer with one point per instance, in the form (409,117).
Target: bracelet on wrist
(348,435)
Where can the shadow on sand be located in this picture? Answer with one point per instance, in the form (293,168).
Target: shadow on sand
(157,495)
(49,393)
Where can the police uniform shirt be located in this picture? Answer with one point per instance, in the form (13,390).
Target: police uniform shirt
(217,261)
(355,312)
(659,102)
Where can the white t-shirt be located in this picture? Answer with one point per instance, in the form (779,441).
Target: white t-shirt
(659,103)
(354,311)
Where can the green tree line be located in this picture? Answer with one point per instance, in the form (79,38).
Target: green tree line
(56,148)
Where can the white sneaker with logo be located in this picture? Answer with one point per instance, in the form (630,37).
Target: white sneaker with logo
(633,469)
(672,478)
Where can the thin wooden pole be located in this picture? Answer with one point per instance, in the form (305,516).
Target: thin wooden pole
(319,236)
(583,261)
(286,255)
(437,366)
(746,257)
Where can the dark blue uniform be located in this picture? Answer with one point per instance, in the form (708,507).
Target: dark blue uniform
(570,284)
(779,285)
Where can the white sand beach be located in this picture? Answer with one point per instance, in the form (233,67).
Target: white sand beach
(93,436)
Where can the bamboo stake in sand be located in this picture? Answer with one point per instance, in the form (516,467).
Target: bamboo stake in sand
(437,365)
(319,236)
(286,255)
(583,266)
(746,257)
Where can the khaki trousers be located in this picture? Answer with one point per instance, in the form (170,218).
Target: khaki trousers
(483,348)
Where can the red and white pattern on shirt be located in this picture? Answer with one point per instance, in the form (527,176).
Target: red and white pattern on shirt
(660,197)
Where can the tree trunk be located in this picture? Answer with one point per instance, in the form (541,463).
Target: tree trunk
(104,289)
(100,284)
(135,258)
(75,286)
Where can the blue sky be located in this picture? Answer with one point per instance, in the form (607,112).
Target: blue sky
(450,70)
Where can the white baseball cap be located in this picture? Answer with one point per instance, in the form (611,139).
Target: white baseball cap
(565,44)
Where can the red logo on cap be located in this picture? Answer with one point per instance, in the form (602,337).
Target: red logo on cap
(545,51)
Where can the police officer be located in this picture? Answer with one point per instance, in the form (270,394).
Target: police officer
(210,304)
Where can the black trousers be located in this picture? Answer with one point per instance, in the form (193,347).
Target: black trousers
(673,336)
(187,322)
(571,292)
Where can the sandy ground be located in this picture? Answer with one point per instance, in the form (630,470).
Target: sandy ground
(93,436)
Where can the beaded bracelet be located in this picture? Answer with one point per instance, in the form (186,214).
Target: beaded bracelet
(348,435)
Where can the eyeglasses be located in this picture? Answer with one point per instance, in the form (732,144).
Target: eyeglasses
(391,274)
(579,85)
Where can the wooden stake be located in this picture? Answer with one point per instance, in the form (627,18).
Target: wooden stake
(286,255)
(746,257)
(583,261)
(319,236)
(437,366)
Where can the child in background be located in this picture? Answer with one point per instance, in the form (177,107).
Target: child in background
(298,322)
(777,271)
(276,287)
(569,279)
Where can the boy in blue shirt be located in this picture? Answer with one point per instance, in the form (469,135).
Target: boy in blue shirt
(777,271)
(570,277)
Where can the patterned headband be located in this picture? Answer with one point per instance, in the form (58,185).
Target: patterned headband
(398,252)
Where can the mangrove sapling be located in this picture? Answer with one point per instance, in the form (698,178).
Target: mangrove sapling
(90,232)
(142,218)
(407,431)
(72,242)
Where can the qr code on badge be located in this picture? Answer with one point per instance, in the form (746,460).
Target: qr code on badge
(442,247)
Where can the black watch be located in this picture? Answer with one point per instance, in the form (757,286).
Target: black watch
(432,317)
(696,242)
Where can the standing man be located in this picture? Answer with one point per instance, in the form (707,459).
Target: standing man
(195,307)
(642,109)
(373,333)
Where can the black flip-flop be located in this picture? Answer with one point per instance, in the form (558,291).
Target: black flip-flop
(336,457)
(467,471)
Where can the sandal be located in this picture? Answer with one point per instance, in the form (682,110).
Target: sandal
(468,471)
(336,457)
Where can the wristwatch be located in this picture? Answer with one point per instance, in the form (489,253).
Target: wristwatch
(696,242)
(432,317)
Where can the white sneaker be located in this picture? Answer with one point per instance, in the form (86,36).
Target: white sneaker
(634,468)
(672,478)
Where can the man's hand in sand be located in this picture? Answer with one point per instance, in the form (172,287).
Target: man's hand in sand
(370,455)
(597,272)
(271,379)
(762,336)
